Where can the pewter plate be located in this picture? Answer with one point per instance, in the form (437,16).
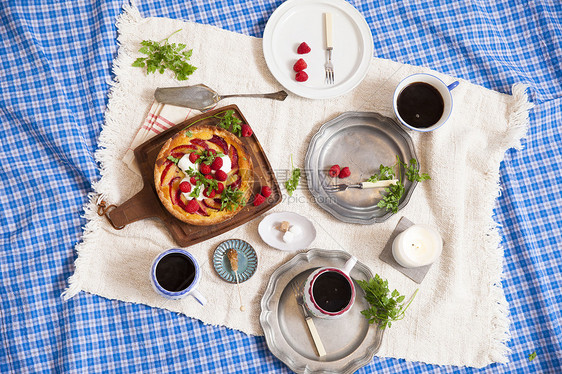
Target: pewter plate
(362,141)
(350,341)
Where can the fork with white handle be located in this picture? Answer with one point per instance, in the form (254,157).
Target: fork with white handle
(362,185)
(329,67)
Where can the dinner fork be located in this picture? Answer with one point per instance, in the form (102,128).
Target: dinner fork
(329,67)
(298,292)
(362,185)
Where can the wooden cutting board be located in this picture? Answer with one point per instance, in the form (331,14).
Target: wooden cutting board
(146,203)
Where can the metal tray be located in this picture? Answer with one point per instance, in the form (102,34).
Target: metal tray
(362,141)
(350,341)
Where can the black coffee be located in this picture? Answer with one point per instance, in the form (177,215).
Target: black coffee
(420,105)
(331,291)
(175,272)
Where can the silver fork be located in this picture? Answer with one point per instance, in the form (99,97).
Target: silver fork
(297,291)
(329,67)
(362,185)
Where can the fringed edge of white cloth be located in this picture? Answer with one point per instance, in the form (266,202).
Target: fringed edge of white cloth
(516,132)
(117,100)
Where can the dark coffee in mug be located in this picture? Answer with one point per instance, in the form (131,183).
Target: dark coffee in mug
(420,105)
(175,272)
(331,291)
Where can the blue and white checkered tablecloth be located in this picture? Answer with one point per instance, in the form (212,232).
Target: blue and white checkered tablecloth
(56,60)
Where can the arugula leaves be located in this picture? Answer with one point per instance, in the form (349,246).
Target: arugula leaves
(386,307)
(292,183)
(229,120)
(395,191)
(232,198)
(163,55)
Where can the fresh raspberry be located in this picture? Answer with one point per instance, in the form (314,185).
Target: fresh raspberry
(301,76)
(300,65)
(220,188)
(193,180)
(303,48)
(193,157)
(208,194)
(266,191)
(217,163)
(334,171)
(345,172)
(185,187)
(246,130)
(220,175)
(212,152)
(192,206)
(205,169)
(209,176)
(258,200)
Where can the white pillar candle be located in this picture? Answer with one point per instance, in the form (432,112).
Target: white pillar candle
(418,245)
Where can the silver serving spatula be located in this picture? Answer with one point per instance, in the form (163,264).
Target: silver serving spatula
(201,97)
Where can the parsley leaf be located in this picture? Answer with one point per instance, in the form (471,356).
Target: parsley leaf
(385,173)
(175,160)
(391,200)
(163,55)
(292,183)
(386,307)
(228,121)
(532,356)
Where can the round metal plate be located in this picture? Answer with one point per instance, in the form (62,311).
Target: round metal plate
(350,341)
(362,141)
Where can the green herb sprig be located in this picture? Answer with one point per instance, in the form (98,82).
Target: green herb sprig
(395,191)
(227,121)
(163,55)
(386,307)
(292,183)
(231,199)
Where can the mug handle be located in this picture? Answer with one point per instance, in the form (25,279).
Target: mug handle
(198,296)
(349,265)
(453,85)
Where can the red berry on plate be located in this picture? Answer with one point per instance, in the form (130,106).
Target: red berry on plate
(185,187)
(303,48)
(266,191)
(301,76)
(192,206)
(220,175)
(193,157)
(246,130)
(193,180)
(209,193)
(217,163)
(300,65)
(345,172)
(220,188)
(334,171)
(205,169)
(258,200)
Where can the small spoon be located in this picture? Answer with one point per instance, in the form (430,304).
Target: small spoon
(201,97)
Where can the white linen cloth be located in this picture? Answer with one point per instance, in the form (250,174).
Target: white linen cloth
(459,316)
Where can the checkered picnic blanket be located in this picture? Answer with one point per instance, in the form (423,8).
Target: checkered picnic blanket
(55,74)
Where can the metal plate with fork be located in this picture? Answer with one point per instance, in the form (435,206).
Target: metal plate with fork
(362,141)
(350,341)
(296,21)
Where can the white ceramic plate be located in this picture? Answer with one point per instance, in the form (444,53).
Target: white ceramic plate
(297,21)
(269,232)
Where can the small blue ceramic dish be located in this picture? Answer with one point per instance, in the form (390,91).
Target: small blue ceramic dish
(247,261)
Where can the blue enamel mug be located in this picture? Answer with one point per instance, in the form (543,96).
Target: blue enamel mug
(175,274)
(423,102)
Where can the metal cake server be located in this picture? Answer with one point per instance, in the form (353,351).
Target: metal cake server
(201,97)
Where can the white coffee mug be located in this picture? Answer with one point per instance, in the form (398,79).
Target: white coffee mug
(175,274)
(329,292)
(402,105)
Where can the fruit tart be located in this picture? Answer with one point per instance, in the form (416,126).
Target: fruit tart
(203,175)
